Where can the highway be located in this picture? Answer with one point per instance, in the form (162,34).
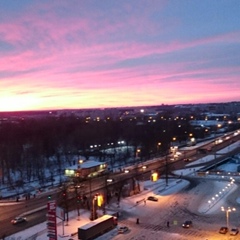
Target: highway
(28,207)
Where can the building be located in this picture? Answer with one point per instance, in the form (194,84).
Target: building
(86,169)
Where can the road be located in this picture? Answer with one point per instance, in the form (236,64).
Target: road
(176,208)
(98,184)
(28,208)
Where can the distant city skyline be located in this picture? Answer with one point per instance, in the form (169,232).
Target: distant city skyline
(105,54)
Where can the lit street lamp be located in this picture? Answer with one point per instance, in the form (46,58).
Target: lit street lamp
(158,147)
(94,211)
(228,210)
(106,200)
(216,142)
(138,154)
(95,203)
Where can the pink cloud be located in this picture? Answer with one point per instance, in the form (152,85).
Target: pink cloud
(78,61)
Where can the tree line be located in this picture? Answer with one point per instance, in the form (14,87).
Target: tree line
(29,147)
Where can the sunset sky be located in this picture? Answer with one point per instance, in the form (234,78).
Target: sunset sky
(76,54)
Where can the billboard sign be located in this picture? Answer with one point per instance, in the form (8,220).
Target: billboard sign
(51,220)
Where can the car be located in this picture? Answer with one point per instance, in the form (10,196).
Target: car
(186,159)
(152,198)
(17,220)
(122,229)
(234,231)
(223,230)
(187,224)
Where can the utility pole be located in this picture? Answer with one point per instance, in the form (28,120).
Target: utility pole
(94,210)
(166,169)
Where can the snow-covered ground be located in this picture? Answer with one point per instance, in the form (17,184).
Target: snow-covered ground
(127,204)
(158,189)
(220,190)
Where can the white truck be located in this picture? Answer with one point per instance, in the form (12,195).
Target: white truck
(97,227)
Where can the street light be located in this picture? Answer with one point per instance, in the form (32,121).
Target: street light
(78,201)
(97,201)
(106,200)
(216,142)
(158,147)
(166,169)
(138,154)
(228,210)
(173,141)
(94,211)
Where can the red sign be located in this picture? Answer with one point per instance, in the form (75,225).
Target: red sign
(51,220)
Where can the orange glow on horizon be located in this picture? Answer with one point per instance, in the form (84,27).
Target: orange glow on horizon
(52,57)
(17,103)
